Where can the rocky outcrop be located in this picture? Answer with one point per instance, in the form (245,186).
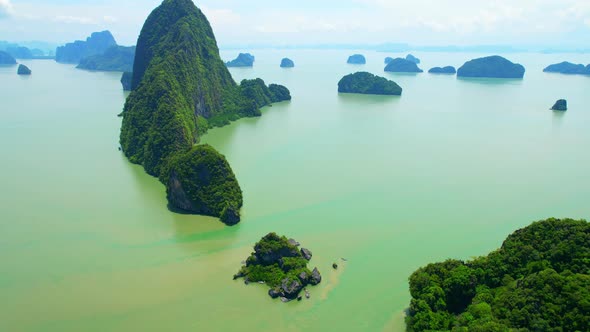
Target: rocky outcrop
(367,83)
(560,105)
(278,263)
(23,70)
(287,63)
(357,59)
(306,253)
(400,65)
(243,60)
(491,67)
(449,70)
(96,44)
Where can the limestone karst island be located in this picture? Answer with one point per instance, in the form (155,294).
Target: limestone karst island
(294,166)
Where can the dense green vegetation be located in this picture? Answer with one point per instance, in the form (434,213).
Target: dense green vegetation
(180,88)
(115,58)
(23,70)
(400,65)
(560,105)
(279,263)
(443,70)
(126,79)
(357,59)
(96,44)
(287,63)
(6,59)
(491,67)
(539,280)
(568,68)
(201,181)
(243,60)
(367,83)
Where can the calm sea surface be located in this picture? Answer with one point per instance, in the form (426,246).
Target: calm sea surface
(448,170)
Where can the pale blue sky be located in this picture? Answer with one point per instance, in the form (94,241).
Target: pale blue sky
(419,22)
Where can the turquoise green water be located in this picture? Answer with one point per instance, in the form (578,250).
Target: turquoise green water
(390,183)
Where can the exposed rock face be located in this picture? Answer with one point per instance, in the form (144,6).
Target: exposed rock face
(23,70)
(413,59)
(560,105)
(290,288)
(116,58)
(444,70)
(96,44)
(6,59)
(126,79)
(243,60)
(367,83)
(400,65)
(357,59)
(287,63)
(491,67)
(316,277)
(388,60)
(277,262)
(201,181)
(568,68)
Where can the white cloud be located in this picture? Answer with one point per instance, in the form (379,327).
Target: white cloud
(109,19)
(6,9)
(74,19)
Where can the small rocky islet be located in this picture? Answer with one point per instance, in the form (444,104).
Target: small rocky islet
(243,60)
(448,70)
(356,59)
(560,105)
(568,68)
(287,63)
(400,65)
(367,83)
(491,67)
(279,263)
(23,70)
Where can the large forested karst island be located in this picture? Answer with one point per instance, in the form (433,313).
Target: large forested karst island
(491,67)
(115,58)
(7,59)
(96,44)
(367,83)
(356,59)
(568,68)
(400,65)
(279,263)
(180,88)
(243,60)
(539,280)
(448,70)
(388,60)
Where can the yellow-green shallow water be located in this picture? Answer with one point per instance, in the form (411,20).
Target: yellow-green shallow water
(390,183)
